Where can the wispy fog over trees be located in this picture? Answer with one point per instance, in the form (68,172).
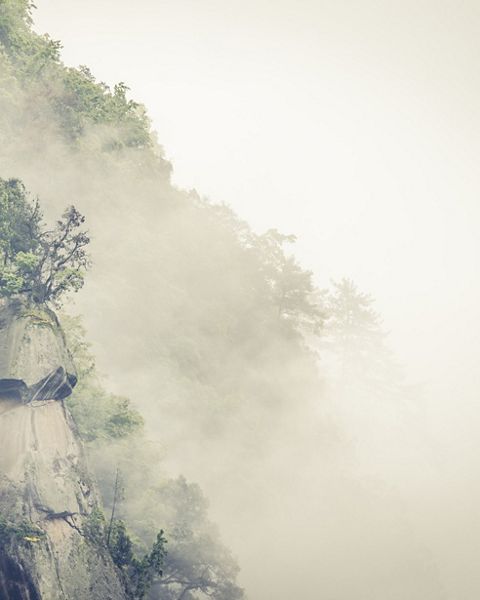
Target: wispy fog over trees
(213,358)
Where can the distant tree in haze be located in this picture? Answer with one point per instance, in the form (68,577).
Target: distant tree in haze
(197,565)
(291,287)
(352,322)
(43,264)
(353,334)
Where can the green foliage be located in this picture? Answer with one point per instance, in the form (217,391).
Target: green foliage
(101,415)
(19,237)
(62,259)
(83,101)
(11,281)
(145,570)
(30,53)
(121,546)
(98,414)
(42,264)
(94,527)
(14,21)
(19,221)
(139,572)
(22,531)
(71,96)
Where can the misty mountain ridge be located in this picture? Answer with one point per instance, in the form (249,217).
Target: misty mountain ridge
(224,364)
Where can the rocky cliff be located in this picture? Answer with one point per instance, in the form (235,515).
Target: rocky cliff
(51,530)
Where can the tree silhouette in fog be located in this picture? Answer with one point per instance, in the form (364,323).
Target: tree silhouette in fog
(354,336)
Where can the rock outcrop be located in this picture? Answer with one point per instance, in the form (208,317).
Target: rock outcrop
(34,361)
(51,540)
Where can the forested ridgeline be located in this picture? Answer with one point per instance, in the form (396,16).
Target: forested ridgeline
(219,307)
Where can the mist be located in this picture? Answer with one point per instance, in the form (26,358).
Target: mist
(325,481)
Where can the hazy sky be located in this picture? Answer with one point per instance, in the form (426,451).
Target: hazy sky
(353,124)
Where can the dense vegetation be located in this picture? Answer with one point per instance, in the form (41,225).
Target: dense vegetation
(41,264)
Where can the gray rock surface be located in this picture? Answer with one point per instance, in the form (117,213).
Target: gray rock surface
(34,361)
(52,543)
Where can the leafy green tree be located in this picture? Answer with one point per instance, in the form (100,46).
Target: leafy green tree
(15,20)
(149,568)
(61,260)
(32,54)
(19,237)
(71,98)
(83,101)
(94,527)
(19,221)
(138,573)
(44,265)
(120,544)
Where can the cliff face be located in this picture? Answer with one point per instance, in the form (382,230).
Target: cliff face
(34,361)
(51,542)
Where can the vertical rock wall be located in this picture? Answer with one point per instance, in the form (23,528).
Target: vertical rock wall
(51,545)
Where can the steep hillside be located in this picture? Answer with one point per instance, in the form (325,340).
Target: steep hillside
(315,466)
(210,309)
(197,319)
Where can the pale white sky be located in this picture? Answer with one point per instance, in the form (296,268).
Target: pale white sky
(353,124)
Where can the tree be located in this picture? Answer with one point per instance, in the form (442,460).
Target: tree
(291,288)
(19,221)
(41,264)
(197,564)
(354,336)
(139,574)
